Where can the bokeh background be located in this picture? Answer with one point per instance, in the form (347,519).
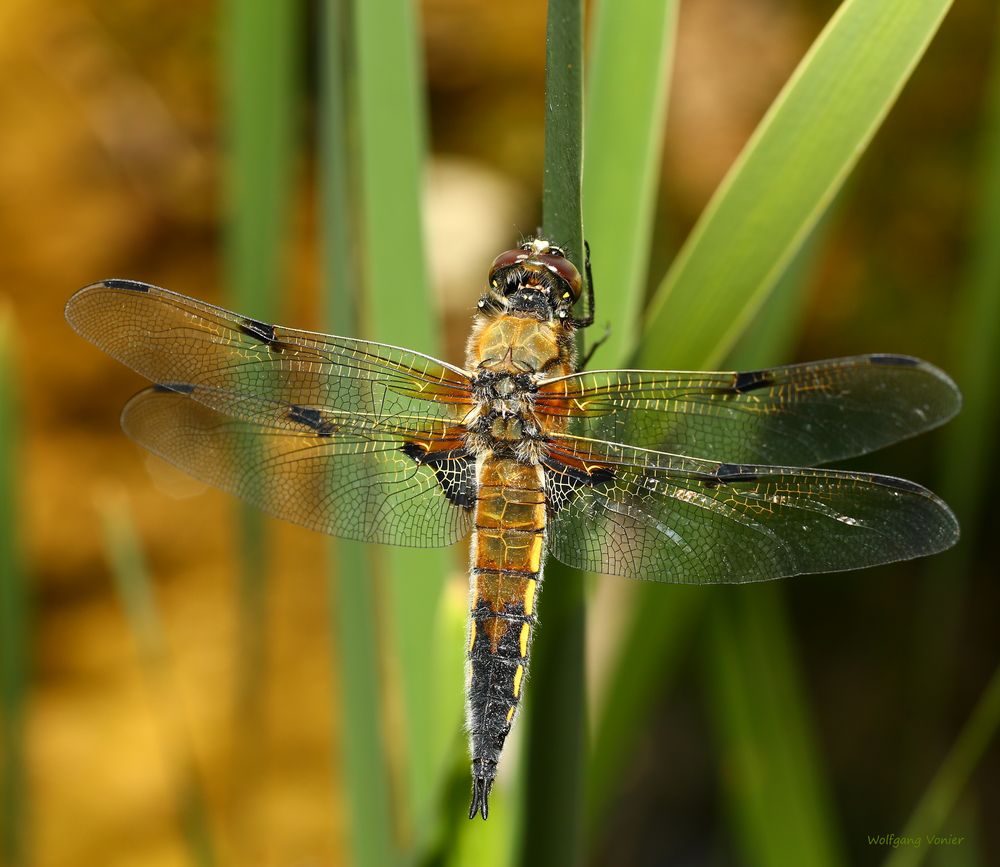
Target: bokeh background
(140,745)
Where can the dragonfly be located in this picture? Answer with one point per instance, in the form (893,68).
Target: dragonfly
(672,476)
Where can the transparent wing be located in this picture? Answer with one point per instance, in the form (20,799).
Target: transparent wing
(248,368)
(662,517)
(798,414)
(358,486)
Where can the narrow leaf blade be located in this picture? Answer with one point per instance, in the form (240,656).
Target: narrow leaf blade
(787,174)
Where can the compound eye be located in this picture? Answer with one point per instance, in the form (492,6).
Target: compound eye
(564,270)
(505,260)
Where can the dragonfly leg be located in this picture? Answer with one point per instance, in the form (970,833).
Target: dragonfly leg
(587,320)
(593,348)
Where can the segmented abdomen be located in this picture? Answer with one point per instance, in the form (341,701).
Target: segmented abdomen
(506,572)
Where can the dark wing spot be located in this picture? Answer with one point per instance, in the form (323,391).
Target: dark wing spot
(131,285)
(176,387)
(261,331)
(894,360)
(311,417)
(728,474)
(454,469)
(752,380)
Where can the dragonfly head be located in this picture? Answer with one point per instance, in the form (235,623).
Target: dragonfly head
(539,272)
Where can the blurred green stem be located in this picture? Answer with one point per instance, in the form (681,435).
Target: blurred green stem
(629,73)
(401,311)
(259,57)
(14,616)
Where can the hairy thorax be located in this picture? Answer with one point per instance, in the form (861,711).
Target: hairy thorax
(509,354)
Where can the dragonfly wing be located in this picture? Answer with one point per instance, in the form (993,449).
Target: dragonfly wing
(802,414)
(366,485)
(250,367)
(662,517)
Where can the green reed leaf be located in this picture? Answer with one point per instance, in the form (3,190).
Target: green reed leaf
(789,171)
(631,57)
(400,310)
(353,596)
(260,50)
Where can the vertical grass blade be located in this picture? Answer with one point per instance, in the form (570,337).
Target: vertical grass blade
(135,589)
(259,65)
(771,770)
(556,746)
(785,177)
(941,796)
(665,617)
(400,311)
(14,618)
(769,763)
(631,54)
(353,608)
(354,622)
(262,107)
(631,57)
(562,196)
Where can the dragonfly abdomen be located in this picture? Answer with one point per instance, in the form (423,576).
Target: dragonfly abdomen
(506,572)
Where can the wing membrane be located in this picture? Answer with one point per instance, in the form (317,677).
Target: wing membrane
(797,414)
(662,517)
(248,368)
(345,483)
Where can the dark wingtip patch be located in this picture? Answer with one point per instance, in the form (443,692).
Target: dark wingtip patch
(751,380)
(131,285)
(311,417)
(894,360)
(174,387)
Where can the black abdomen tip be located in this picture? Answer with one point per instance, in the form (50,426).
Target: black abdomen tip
(483,774)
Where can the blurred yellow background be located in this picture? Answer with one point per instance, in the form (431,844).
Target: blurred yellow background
(112,166)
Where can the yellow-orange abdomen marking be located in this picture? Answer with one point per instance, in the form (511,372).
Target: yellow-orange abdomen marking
(506,564)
